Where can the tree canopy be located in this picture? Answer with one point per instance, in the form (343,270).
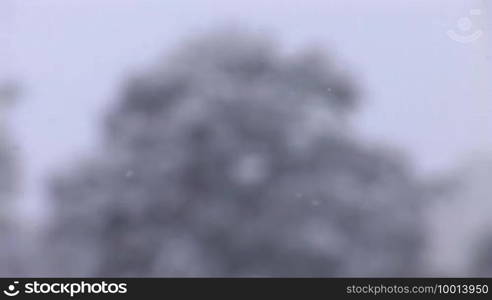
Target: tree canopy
(230,158)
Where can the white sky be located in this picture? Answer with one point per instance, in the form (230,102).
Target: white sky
(425,93)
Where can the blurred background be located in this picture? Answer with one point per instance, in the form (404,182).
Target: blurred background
(245,138)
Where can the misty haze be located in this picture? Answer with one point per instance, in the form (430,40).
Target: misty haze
(219,139)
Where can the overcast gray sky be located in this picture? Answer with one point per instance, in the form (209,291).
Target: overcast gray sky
(423,92)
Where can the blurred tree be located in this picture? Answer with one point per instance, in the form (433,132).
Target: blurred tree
(9,263)
(481,264)
(465,227)
(231,159)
